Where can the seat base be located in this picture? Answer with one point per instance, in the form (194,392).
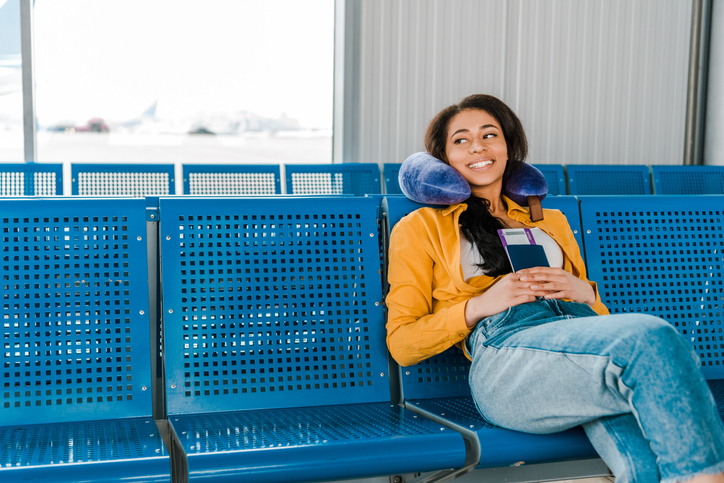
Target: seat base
(311,444)
(102,451)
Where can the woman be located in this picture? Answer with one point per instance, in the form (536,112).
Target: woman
(543,357)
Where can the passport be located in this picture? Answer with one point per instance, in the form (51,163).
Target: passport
(522,250)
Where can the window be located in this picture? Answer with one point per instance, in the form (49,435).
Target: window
(219,81)
(11,89)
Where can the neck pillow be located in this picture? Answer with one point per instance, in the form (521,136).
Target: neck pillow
(426,179)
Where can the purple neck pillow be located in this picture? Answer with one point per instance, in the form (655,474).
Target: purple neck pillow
(425,179)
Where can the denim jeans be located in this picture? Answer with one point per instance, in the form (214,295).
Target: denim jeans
(630,380)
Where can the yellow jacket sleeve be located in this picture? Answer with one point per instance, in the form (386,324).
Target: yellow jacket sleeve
(420,325)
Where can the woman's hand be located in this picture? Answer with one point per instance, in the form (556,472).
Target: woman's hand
(507,292)
(558,284)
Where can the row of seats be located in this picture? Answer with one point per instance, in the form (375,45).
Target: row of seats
(140,180)
(582,179)
(333,179)
(259,324)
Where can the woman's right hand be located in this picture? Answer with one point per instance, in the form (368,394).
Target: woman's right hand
(507,292)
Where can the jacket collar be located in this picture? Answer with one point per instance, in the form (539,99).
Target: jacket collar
(515,211)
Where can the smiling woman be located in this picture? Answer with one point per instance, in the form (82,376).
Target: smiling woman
(546,355)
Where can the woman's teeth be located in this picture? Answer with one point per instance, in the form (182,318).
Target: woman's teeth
(480,164)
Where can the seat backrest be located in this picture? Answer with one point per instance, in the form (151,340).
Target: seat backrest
(688,180)
(231,179)
(392,182)
(271,303)
(662,255)
(76,310)
(333,179)
(555,177)
(31,179)
(584,179)
(136,180)
(446,374)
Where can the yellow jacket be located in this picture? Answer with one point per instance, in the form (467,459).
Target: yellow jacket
(427,298)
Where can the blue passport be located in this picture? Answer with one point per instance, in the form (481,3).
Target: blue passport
(526,256)
(523,252)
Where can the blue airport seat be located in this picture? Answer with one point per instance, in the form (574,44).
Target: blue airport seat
(135,180)
(231,179)
(662,256)
(333,179)
(555,177)
(688,180)
(77,396)
(276,362)
(438,387)
(31,179)
(585,179)
(392,182)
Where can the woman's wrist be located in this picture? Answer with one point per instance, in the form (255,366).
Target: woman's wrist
(474,310)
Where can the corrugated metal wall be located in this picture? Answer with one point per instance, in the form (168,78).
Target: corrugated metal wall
(594,81)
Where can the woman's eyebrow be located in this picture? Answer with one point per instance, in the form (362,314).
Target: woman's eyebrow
(485,126)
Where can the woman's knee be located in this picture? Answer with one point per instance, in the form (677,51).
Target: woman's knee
(645,327)
(658,337)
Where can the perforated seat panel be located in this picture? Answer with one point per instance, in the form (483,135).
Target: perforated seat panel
(688,180)
(232,184)
(81,442)
(309,444)
(319,179)
(608,180)
(123,184)
(272,303)
(100,451)
(662,256)
(30,179)
(134,180)
(445,374)
(75,306)
(231,179)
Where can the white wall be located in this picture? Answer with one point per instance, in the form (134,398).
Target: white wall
(594,81)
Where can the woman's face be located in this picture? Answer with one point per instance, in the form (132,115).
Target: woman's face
(477,149)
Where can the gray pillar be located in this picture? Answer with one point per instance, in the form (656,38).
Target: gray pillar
(26,47)
(714,134)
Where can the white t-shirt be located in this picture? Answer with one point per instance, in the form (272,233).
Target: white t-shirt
(470,257)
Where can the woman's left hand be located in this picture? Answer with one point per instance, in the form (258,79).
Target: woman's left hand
(558,284)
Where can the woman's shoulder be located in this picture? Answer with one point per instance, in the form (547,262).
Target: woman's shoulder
(427,215)
(426,221)
(554,215)
(556,222)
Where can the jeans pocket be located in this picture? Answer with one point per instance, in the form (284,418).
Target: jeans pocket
(489,324)
(575,309)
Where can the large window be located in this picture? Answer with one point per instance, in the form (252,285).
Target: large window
(11,95)
(218,81)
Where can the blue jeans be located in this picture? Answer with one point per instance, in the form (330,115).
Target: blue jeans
(630,380)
